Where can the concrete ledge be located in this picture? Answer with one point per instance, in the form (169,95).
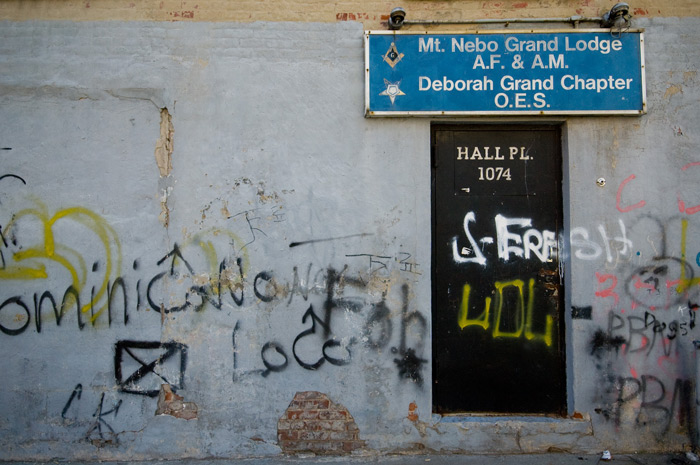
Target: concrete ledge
(489,434)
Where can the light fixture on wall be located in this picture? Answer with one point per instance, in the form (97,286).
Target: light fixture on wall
(396,18)
(618,18)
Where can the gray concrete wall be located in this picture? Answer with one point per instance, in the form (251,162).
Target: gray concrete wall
(634,245)
(219,182)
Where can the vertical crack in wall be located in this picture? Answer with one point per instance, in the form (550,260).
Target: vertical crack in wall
(164,216)
(163,154)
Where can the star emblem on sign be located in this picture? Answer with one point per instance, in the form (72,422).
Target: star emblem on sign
(392,90)
(392,56)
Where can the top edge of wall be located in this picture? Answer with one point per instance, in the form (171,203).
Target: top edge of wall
(373,15)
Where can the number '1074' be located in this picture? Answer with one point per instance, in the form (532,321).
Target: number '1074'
(497,173)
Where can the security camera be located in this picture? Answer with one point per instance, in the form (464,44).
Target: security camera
(618,16)
(396,18)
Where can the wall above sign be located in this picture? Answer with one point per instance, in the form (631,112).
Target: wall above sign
(504,73)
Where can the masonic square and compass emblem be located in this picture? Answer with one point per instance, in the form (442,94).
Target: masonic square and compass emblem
(392,56)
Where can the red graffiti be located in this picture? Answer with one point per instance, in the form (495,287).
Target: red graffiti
(608,292)
(639,204)
(681,204)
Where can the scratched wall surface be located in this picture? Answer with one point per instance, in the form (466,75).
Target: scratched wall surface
(204,206)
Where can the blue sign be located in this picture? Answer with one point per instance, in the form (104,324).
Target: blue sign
(498,73)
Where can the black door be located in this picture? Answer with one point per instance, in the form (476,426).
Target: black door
(497,281)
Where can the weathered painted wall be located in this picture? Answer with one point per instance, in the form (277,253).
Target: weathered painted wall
(635,245)
(212,196)
(279,204)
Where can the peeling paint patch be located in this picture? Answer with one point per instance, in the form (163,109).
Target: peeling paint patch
(689,76)
(224,210)
(264,198)
(182,14)
(673,90)
(354,16)
(164,144)
(171,404)
(164,216)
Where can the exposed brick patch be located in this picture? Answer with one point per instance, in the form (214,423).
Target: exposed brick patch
(170,403)
(313,423)
(412,415)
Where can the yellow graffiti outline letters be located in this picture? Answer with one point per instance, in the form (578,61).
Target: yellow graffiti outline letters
(48,250)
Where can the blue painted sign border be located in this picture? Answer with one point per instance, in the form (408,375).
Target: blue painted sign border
(572,72)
